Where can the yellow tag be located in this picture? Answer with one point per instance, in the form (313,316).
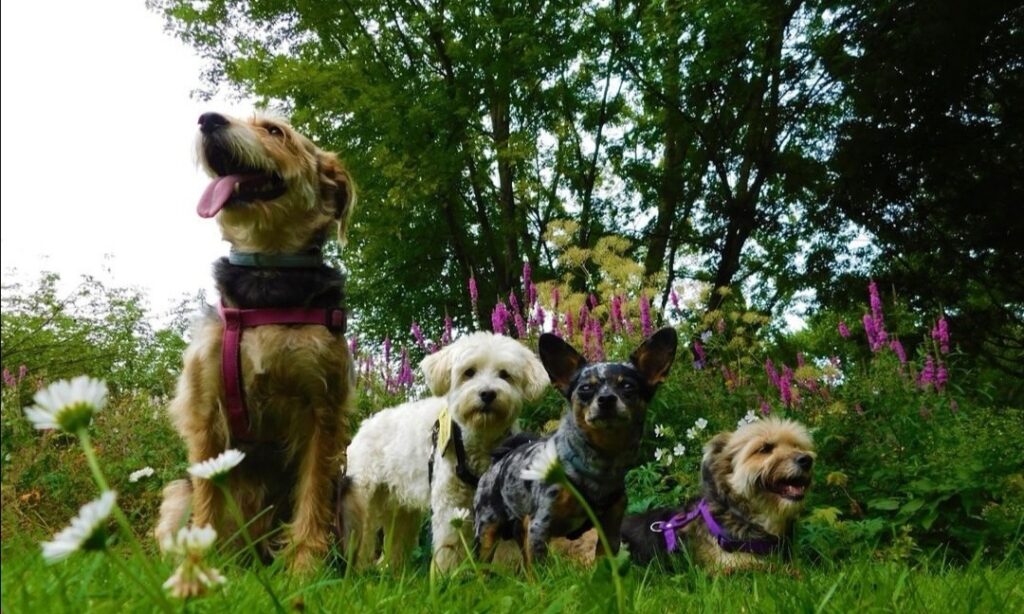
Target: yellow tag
(444,430)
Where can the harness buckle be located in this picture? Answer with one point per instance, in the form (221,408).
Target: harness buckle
(657,526)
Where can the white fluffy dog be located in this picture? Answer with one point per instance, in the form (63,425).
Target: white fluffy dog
(482,380)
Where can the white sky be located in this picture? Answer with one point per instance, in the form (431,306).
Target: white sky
(97,157)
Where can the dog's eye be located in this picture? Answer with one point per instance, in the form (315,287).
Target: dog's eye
(505,375)
(274,130)
(628,386)
(468,373)
(766,448)
(585,388)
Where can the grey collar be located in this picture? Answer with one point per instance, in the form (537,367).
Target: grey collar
(303,260)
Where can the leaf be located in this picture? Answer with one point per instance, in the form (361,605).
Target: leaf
(825,515)
(884,504)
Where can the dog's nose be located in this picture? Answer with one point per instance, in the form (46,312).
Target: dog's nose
(805,461)
(607,401)
(208,122)
(488,396)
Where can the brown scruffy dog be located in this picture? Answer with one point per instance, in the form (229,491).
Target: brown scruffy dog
(279,389)
(753,483)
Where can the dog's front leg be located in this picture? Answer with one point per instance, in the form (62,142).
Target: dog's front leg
(611,522)
(309,533)
(538,529)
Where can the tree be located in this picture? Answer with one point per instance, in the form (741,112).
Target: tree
(930,158)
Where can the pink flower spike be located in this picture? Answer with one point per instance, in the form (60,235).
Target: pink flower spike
(417,334)
(941,334)
(474,294)
(446,338)
(897,349)
(844,330)
(555,297)
(673,297)
(645,316)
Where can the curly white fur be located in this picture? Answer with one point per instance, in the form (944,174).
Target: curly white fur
(388,457)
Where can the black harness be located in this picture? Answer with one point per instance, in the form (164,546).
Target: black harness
(462,469)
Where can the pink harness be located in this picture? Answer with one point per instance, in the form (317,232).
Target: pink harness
(235,322)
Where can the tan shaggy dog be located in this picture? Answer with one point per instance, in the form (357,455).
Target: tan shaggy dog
(753,482)
(276,197)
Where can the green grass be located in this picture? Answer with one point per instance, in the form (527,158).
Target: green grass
(90,582)
(44,482)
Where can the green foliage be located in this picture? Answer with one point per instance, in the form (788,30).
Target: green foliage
(94,329)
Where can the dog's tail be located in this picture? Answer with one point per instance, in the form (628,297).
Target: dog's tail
(174,511)
(511,443)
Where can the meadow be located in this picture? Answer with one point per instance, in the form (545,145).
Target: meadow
(917,503)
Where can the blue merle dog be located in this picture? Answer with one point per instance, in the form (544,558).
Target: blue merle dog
(596,443)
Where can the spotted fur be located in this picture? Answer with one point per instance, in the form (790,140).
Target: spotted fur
(596,442)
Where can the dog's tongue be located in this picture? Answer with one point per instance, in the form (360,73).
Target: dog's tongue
(216,195)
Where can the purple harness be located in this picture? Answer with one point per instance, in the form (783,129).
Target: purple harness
(668,530)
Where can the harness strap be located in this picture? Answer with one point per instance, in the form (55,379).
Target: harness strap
(235,322)
(668,530)
(462,469)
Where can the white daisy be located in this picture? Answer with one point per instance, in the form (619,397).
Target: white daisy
(679,450)
(691,433)
(190,540)
(192,579)
(216,468)
(749,418)
(660,454)
(705,336)
(459,517)
(86,532)
(145,472)
(701,424)
(544,465)
(659,430)
(68,405)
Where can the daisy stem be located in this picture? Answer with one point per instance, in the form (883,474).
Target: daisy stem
(156,596)
(620,598)
(243,528)
(122,520)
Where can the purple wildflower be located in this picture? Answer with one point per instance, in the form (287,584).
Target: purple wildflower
(773,374)
(897,349)
(927,376)
(616,313)
(539,316)
(555,297)
(941,377)
(592,301)
(786,386)
(9,379)
(499,318)
(844,330)
(673,296)
(876,303)
(645,316)
(446,336)
(417,334)
(527,283)
(520,325)
(700,358)
(513,302)
(474,294)
(22,372)
(766,407)
(353,346)
(799,359)
(597,337)
(405,376)
(940,333)
(569,328)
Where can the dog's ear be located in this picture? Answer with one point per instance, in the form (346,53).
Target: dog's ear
(654,357)
(437,371)
(337,191)
(716,466)
(536,377)
(560,360)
